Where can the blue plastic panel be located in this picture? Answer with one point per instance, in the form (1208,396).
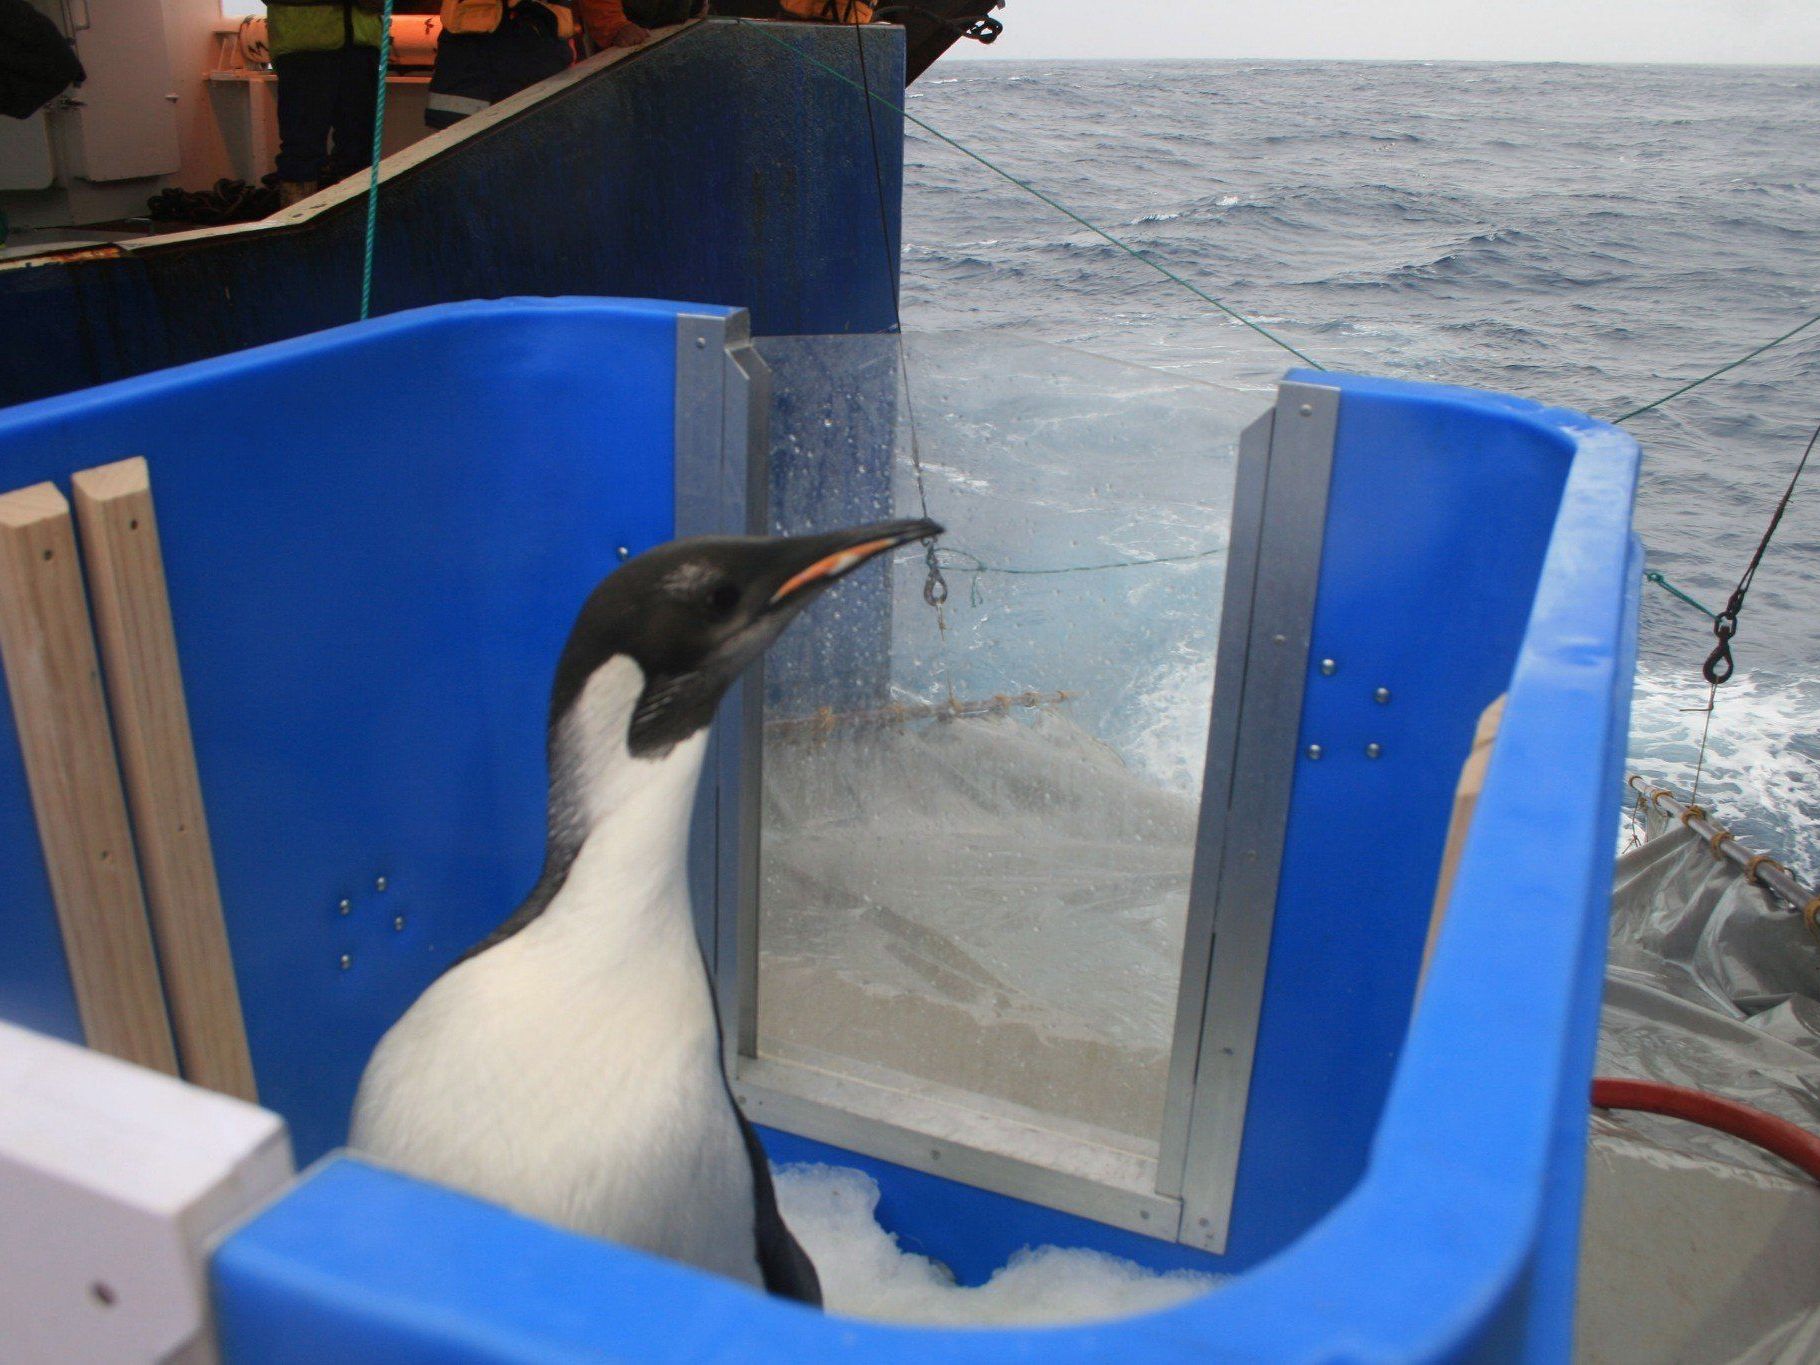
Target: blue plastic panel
(1474,544)
(1439,515)
(376,539)
(360,1266)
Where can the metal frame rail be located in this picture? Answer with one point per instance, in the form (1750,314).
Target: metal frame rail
(1759,868)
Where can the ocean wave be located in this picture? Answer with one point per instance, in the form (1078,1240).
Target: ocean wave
(1338,135)
(1510,246)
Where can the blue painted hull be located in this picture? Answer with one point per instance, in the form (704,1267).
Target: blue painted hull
(706,167)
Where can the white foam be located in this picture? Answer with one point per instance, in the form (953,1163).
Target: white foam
(1165,736)
(1761,759)
(866,1274)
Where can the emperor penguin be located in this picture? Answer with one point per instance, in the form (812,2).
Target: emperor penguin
(569,1065)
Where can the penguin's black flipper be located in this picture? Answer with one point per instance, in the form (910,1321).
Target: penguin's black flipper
(788,1271)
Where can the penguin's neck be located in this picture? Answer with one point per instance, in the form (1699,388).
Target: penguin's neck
(619,824)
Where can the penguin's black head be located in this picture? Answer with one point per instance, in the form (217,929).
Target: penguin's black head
(693,613)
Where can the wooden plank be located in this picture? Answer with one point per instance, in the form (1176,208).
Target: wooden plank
(1465,802)
(120,549)
(55,685)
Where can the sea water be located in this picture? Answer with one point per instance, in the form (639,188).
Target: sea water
(1587,236)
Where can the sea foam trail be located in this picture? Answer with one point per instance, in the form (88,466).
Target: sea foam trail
(866,1274)
(1761,776)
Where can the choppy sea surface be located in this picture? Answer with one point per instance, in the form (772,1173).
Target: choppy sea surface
(1587,236)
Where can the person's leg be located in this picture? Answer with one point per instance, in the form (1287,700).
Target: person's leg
(529,51)
(659,13)
(356,100)
(462,81)
(306,108)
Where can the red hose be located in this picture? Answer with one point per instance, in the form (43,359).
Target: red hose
(1796,1146)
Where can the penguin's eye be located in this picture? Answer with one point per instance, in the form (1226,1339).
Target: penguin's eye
(722,599)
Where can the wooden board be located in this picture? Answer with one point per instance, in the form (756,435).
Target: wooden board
(152,726)
(1465,802)
(55,685)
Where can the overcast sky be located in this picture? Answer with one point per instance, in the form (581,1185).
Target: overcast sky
(1494,30)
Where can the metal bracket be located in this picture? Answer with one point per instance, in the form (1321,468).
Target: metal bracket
(1279,516)
(721,407)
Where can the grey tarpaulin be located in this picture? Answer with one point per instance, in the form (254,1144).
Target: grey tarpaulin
(1713,983)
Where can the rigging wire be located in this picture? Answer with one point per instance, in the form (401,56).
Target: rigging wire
(1030,189)
(976,565)
(1693,384)
(1718,668)
(1706,729)
(935,587)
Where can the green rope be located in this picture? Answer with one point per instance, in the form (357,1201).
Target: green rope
(980,566)
(1696,383)
(366,264)
(947,554)
(951,555)
(1030,189)
(1662,582)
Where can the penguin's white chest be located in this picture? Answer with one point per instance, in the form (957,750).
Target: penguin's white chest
(572,1071)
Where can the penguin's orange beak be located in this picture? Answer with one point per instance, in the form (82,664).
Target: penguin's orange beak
(839,554)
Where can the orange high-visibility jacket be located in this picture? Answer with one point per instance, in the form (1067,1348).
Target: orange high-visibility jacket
(834,11)
(603,19)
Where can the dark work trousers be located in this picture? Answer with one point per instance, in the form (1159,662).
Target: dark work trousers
(658,13)
(324,93)
(474,70)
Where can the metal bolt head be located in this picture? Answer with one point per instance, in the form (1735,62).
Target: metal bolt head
(1315,751)
(347,960)
(701,343)
(345,907)
(1329,667)
(1381,696)
(625,552)
(1374,750)
(379,883)
(1307,409)
(398,924)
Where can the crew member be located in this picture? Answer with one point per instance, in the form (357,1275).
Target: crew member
(490,49)
(37,63)
(326,57)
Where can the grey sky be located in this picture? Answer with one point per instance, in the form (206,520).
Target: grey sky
(1497,30)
